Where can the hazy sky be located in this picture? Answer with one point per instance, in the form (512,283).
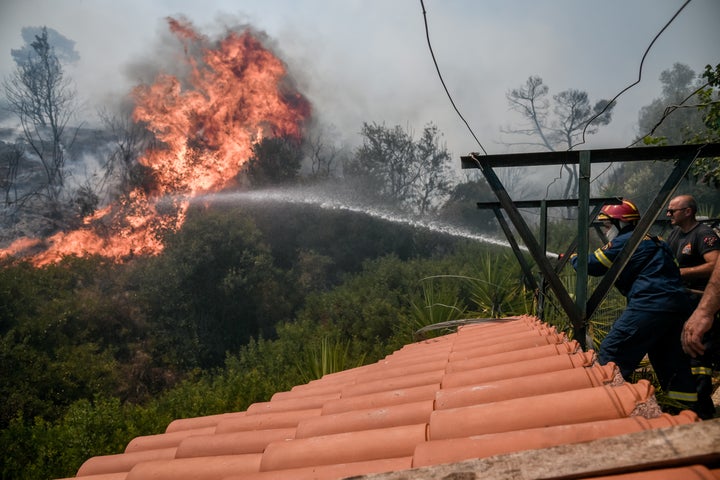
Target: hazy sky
(368,60)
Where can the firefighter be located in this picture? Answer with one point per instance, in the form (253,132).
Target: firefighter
(657,305)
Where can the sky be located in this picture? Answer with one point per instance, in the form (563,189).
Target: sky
(369,61)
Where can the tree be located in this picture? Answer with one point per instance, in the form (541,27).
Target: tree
(44,101)
(687,112)
(10,156)
(664,117)
(63,46)
(122,171)
(324,156)
(461,209)
(565,126)
(434,178)
(213,288)
(391,167)
(274,161)
(708,169)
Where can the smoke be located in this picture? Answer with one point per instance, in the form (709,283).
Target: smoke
(206,103)
(63,46)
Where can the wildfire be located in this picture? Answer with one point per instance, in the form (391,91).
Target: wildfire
(235,93)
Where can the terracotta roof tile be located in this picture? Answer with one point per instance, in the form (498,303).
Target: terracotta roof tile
(200,422)
(164,440)
(453,450)
(494,388)
(233,443)
(266,421)
(196,468)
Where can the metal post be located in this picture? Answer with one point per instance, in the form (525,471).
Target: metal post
(581,284)
(527,271)
(542,291)
(522,228)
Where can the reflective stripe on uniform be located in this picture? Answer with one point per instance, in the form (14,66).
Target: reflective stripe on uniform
(683,396)
(702,371)
(600,255)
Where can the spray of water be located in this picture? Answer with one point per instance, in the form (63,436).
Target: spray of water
(327,201)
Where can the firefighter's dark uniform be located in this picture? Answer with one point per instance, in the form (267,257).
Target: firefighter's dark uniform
(657,307)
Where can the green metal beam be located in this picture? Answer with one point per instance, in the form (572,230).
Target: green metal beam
(532,245)
(572,157)
(581,267)
(527,271)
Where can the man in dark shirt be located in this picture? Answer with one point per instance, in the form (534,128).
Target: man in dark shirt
(657,305)
(696,247)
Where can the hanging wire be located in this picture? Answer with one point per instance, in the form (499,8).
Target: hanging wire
(612,102)
(642,61)
(668,111)
(671,108)
(437,68)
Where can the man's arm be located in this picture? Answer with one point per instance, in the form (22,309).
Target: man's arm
(702,318)
(704,270)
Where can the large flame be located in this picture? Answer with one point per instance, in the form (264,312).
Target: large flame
(235,93)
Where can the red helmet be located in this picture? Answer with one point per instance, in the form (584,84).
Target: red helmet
(625,212)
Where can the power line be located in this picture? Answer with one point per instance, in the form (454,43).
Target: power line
(612,102)
(671,108)
(642,61)
(437,68)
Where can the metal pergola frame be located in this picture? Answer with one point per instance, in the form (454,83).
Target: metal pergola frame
(580,310)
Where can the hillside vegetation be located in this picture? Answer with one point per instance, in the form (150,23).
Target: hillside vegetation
(244,302)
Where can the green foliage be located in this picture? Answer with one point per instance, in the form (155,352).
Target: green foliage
(440,303)
(666,124)
(102,426)
(59,337)
(381,307)
(341,241)
(366,306)
(631,180)
(41,449)
(707,170)
(661,118)
(330,356)
(498,290)
(214,288)
(274,161)
(488,284)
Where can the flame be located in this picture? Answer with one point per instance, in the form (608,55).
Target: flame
(235,93)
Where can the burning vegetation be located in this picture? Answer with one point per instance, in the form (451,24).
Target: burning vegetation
(235,93)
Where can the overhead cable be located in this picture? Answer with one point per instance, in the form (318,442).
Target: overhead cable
(642,61)
(437,68)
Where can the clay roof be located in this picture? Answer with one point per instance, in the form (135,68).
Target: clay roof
(503,398)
